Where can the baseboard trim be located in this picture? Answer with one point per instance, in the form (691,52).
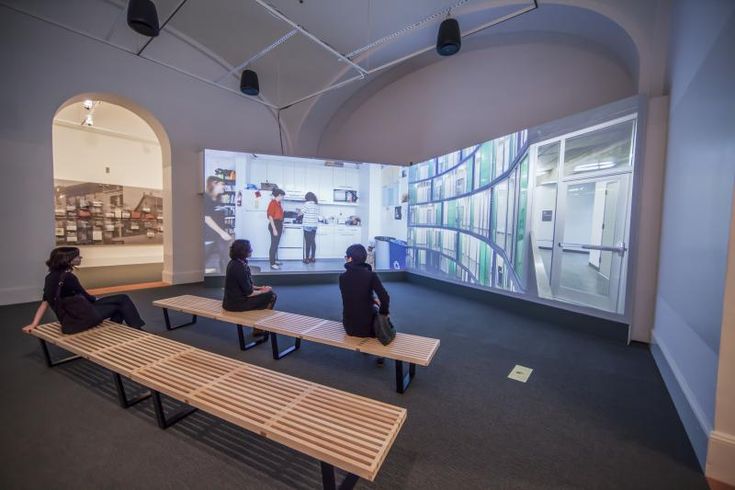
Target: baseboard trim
(11,296)
(696,424)
(183,277)
(720,457)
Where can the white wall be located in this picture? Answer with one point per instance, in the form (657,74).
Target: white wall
(698,191)
(544,199)
(83,154)
(44,66)
(473,97)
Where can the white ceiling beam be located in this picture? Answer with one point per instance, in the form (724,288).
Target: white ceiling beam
(276,13)
(258,55)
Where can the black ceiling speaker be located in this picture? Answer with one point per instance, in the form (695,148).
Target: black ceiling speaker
(449,39)
(143,17)
(249,83)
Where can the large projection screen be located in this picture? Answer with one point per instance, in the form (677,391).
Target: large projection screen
(352,203)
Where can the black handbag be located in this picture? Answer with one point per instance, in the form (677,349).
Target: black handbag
(385,332)
(75,313)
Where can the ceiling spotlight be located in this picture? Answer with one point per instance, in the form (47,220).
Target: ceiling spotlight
(143,17)
(449,39)
(249,83)
(88,104)
(88,121)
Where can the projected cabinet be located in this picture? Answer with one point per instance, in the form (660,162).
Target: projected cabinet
(466,214)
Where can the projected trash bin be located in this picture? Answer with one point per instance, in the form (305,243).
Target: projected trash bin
(397,252)
(382,252)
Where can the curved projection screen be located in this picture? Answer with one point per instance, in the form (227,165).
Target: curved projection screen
(542,213)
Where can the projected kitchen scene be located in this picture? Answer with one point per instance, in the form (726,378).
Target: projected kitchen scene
(326,206)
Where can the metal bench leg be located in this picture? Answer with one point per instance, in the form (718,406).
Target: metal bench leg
(281,354)
(168,321)
(166,422)
(47,355)
(249,345)
(329,482)
(122,397)
(402,381)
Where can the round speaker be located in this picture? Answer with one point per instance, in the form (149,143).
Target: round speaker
(249,83)
(143,17)
(449,39)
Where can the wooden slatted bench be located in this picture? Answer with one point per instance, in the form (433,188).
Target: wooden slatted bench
(408,348)
(339,429)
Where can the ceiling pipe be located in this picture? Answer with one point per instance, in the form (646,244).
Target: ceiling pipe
(276,13)
(482,27)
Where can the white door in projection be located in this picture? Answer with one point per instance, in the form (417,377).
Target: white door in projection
(589,250)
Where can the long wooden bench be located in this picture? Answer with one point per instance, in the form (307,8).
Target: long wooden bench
(337,428)
(408,348)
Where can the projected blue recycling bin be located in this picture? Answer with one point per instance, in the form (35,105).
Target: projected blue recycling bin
(390,253)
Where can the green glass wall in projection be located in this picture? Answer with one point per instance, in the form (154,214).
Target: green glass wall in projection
(505,214)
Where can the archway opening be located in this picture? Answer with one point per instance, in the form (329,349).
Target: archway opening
(109,190)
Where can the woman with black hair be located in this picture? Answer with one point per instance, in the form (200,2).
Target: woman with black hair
(310,221)
(216,238)
(61,264)
(240,292)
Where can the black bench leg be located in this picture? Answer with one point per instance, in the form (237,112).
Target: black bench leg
(249,345)
(47,355)
(168,321)
(402,381)
(122,397)
(281,354)
(329,482)
(166,422)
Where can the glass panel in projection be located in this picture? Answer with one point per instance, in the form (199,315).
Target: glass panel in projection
(547,163)
(500,213)
(603,149)
(519,256)
(579,266)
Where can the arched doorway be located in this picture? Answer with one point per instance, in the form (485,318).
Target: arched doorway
(108,158)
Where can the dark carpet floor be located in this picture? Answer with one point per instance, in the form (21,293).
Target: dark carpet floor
(594,415)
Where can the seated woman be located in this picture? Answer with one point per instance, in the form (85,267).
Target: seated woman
(240,292)
(118,308)
(357,285)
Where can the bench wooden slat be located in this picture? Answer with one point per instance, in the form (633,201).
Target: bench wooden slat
(345,430)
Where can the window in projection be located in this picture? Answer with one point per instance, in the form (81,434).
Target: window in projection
(548,217)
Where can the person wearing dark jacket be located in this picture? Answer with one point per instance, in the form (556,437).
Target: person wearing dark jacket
(240,292)
(61,263)
(358,284)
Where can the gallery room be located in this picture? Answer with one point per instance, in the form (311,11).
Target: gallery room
(368,244)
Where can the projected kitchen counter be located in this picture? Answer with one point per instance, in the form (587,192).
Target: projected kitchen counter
(356,203)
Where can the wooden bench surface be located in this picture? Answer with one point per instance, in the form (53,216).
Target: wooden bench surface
(405,347)
(348,431)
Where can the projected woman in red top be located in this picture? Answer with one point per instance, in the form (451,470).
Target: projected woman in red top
(275,225)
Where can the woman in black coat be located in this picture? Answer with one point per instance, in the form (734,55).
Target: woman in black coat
(240,292)
(61,264)
(358,284)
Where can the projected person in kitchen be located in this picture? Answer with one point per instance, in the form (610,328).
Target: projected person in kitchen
(310,221)
(240,292)
(275,226)
(216,238)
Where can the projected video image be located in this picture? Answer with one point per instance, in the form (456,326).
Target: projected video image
(299,214)
(545,215)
